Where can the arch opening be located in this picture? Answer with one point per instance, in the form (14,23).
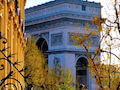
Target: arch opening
(81,72)
(43,46)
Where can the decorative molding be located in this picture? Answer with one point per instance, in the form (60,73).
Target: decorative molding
(56,39)
(94,39)
(42,35)
(58,15)
(82,54)
(59,23)
(56,2)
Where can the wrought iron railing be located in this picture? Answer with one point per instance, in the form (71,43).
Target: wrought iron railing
(5,81)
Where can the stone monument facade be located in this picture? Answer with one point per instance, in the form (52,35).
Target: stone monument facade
(51,24)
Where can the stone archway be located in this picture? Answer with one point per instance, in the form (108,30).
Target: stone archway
(43,46)
(81,72)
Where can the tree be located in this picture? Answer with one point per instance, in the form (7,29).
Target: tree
(114,24)
(38,74)
(107,75)
(65,81)
(35,63)
(62,81)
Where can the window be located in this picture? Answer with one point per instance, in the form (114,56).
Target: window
(83,8)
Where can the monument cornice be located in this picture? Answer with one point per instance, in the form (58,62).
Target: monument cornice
(58,16)
(57,2)
(65,50)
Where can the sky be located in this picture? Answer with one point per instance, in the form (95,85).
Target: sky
(31,3)
(105,3)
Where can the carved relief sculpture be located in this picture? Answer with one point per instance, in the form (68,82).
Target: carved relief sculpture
(57,65)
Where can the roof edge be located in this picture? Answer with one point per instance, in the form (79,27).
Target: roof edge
(45,5)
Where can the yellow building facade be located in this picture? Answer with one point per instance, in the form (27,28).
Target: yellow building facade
(12,28)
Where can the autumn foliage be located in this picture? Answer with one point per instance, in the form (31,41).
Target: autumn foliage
(107,75)
(37,72)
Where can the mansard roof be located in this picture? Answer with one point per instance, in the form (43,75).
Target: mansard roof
(52,3)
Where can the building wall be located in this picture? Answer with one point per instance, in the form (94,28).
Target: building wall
(12,28)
